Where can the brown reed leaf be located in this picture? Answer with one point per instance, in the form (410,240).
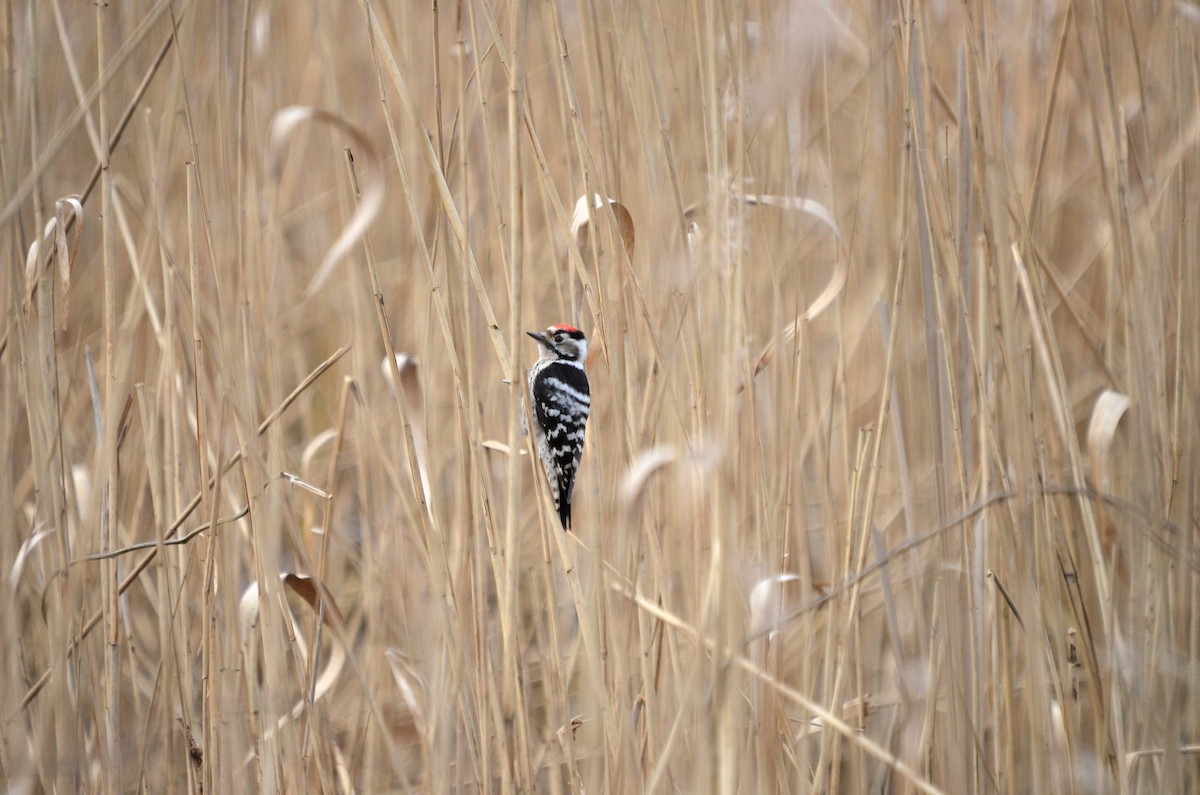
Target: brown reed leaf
(315,596)
(833,288)
(581,222)
(31,265)
(409,682)
(66,253)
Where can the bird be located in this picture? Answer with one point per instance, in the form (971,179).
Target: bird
(560,400)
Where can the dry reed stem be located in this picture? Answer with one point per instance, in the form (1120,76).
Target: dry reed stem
(890,482)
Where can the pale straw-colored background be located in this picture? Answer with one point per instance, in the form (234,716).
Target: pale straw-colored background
(891,476)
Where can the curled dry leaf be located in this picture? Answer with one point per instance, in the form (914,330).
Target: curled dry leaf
(314,447)
(1106,415)
(66,253)
(837,280)
(405,677)
(302,586)
(765,604)
(283,126)
(581,222)
(410,384)
(827,297)
(31,264)
(832,290)
(800,203)
(23,554)
(638,475)
(309,590)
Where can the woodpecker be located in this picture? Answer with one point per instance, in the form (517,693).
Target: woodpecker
(560,400)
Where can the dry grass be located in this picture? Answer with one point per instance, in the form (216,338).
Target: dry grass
(891,480)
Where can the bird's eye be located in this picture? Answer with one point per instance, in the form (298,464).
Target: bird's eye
(558,337)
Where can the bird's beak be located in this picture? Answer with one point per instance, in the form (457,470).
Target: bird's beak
(537,335)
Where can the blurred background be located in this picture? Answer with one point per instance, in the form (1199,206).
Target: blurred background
(891,476)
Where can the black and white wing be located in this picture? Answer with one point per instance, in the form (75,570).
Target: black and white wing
(561,403)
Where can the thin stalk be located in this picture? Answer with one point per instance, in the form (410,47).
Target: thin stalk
(108,441)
